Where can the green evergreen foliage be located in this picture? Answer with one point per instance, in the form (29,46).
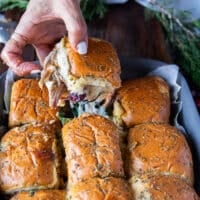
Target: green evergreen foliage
(12,4)
(93,8)
(90,8)
(183,37)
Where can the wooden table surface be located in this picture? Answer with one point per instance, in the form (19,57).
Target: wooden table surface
(131,34)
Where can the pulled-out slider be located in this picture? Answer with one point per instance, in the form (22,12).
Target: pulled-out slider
(90,79)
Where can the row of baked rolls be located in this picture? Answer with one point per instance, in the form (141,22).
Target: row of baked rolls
(93,158)
(30,158)
(158,159)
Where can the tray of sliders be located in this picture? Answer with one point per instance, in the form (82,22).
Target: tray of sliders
(96,127)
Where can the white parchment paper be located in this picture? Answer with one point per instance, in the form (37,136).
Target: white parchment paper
(170,74)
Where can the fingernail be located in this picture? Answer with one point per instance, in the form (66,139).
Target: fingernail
(82,48)
(36,71)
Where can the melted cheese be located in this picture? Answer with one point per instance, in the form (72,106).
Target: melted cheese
(89,107)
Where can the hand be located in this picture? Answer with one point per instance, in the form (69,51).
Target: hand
(42,25)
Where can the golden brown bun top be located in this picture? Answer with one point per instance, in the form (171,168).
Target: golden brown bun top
(30,104)
(97,121)
(92,148)
(101,61)
(144,100)
(159,148)
(30,88)
(162,187)
(41,195)
(28,159)
(101,189)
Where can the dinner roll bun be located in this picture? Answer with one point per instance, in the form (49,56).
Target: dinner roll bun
(159,149)
(30,104)
(92,148)
(29,159)
(142,100)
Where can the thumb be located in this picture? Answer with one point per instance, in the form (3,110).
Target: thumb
(76,26)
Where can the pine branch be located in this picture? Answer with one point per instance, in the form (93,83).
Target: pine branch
(183,39)
(171,17)
(12,4)
(90,8)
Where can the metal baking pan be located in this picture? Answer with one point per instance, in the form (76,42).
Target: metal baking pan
(188,117)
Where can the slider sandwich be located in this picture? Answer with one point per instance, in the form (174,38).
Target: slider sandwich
(142,100)
(91,144)
(29,159)
(159,149)
(30,105)
(87,81)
